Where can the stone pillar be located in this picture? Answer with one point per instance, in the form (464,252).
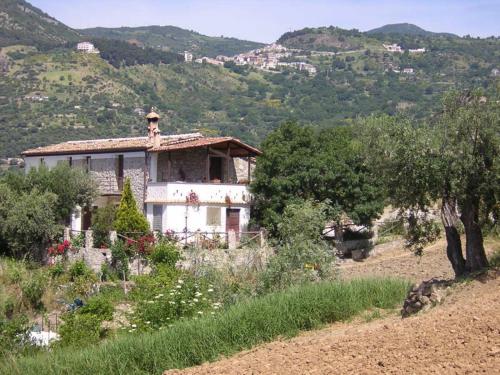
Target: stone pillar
(262,237)
(67,234)
(232,243)
(89,239)
(113,236)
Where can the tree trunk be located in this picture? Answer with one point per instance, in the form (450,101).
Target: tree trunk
(449,218)
(474,248)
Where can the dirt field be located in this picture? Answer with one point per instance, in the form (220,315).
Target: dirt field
(460,336)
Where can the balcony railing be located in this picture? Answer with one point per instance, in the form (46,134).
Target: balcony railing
(180,192)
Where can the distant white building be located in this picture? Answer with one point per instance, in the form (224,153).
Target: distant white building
(408,71)
(393,47)
(209,60)
(86,47)
(417,50)
(495,72)
(188,56)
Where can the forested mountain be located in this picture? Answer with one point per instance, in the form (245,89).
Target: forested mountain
(174,39)
(22,23)
(49,95)
(405,29)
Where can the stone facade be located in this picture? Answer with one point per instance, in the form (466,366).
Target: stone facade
(105,173)
(134,168)
(190,166)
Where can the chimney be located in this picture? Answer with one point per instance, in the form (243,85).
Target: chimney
(153,129)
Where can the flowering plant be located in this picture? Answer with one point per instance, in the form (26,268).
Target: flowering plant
(143,246)
(59,249)
(192,198)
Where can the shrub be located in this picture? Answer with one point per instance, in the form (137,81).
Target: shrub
(102,224)
(98,306)
(79,269)
(33,289)
(301,253)
(13,335)
(56,270)
(120,259)
(165,252)
(80,330)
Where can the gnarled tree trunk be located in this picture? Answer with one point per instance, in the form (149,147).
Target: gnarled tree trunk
(449,218)
(474,248)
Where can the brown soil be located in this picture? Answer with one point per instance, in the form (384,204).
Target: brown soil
(460,336)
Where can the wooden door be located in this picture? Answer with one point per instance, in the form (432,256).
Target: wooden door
(233,220)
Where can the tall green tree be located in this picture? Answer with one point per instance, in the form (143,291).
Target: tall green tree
(129,220)
(453,161)
(301,164)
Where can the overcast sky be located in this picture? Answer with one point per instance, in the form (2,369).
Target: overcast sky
(266,20)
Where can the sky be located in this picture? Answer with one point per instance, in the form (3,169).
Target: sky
(267,20)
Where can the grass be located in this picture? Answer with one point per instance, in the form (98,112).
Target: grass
(241,326)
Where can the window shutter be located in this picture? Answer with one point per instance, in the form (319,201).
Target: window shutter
(213,216)
(157,217)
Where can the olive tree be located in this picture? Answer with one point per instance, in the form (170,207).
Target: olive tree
(452,160)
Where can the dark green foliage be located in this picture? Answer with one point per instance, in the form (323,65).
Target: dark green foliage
(33,289)
(242,326)
(102,223)
(98,306)
(121,54)
(119,259)
(79,330)
(405,29)
(301,254)
(79,269)
(130,221)
(13,335)
(165,252)
(175,40)
(299,163)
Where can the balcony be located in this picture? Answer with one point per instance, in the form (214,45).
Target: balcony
(206,193)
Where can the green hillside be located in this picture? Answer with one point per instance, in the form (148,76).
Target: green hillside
(22,23)
(174,39)
(405,29)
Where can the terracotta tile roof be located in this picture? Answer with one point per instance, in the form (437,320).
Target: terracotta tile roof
(168,143)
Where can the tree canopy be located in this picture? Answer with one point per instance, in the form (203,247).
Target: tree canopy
(300,164)
(129,220)
(452,161)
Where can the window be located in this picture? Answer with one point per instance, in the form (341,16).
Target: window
(216,169)
(119,172)
(157,217)
(213,216)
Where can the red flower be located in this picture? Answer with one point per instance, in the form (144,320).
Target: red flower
(50,251)
(60,248)
(66,244)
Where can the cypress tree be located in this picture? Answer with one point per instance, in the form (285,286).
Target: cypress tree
(129,220)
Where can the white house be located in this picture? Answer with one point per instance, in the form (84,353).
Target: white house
(183,183)
(86,47)
(188,56)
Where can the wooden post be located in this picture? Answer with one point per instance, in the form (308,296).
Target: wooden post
(228,164)
(249,176)
(207,166)
(169,166)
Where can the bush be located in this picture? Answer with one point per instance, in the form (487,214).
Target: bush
(33,289)
(185,299)
(102,224)
(13,335)
(79,269)
(80,330)
(98,306)
(56,270)
(301,253)
(120,259)
(165,252)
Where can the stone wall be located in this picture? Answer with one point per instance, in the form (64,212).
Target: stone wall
(104,172)
(134,168)
(94,258)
